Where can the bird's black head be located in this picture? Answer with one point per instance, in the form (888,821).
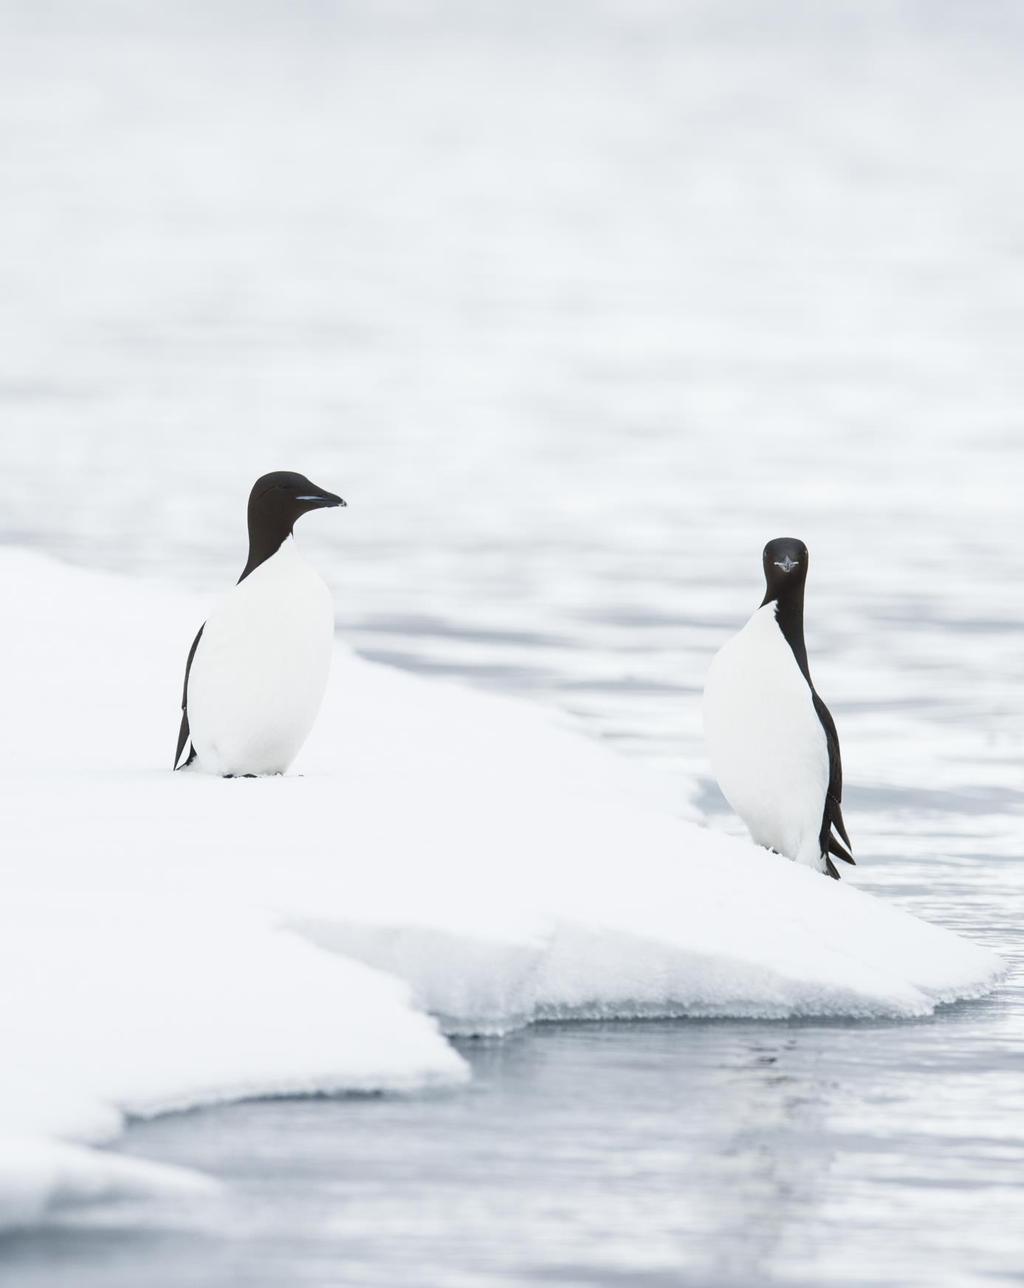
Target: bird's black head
(275,502)
(279,499)
(785,567)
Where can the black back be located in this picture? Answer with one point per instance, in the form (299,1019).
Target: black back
(275,503)
(785,573)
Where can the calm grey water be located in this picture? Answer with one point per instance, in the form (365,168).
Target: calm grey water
(577,304)
(659,1154)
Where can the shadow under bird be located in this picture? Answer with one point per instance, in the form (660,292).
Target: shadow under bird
(257,670)
(771,740)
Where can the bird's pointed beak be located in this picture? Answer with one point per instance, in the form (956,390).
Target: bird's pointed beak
(787,564)
(321,500)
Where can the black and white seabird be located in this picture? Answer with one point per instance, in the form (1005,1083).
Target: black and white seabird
(771,740)
(257,670)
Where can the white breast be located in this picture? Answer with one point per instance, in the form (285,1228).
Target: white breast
(259,673)
(764,739)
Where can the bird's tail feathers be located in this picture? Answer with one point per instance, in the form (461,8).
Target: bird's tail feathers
(834,817)
(184,739)
(837,848)
(830,843)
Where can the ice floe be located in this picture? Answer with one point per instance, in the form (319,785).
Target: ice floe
(439,858)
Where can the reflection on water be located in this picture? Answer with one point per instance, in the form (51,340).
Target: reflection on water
(725,1153)
(577,305)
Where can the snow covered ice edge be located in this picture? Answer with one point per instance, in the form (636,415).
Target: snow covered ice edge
(174,940)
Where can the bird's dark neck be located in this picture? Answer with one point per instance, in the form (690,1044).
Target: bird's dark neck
(263,542)
(789,613)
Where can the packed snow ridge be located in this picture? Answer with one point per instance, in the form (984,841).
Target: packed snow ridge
(438,860)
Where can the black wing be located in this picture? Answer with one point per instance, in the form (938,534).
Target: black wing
(183,732)
(832,816)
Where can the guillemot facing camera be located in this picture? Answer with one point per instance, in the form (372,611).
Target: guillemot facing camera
(771,740)
(257,670)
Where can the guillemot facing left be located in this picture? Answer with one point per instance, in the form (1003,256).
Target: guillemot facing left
(771,740)
(257,670)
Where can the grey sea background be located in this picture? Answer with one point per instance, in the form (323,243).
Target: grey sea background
(577,304)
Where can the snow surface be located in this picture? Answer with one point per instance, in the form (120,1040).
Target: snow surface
(168,940)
